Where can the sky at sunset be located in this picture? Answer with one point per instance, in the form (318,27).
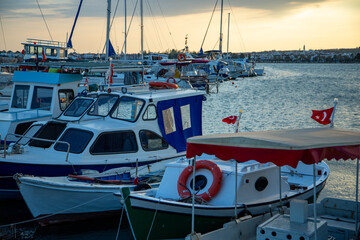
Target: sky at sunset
(255,25)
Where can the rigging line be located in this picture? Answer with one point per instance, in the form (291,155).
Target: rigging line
(44,20)
(237,27)
(209,24)
(157,33)
(166,24)
(2,30)
(127,32)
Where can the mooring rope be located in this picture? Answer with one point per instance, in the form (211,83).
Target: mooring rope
(122,212)
(152,223)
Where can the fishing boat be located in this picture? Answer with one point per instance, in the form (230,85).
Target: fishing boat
(36,96)
(81,197)
(297,222)
(255,186)
(134,126)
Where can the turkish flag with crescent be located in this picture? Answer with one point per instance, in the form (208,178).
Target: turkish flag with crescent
(322,116)
(230,119)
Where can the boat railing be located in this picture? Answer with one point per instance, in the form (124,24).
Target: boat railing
(35,138)
(46,42)
(21,115)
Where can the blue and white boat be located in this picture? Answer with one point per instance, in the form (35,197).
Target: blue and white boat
(134,127)
(36,96)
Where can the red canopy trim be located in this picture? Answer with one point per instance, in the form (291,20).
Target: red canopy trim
(279,157)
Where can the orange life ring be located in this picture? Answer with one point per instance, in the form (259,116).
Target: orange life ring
(215,186)
(163,85)
(181,57)
(172,79)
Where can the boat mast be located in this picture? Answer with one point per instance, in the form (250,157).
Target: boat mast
(220,44)
(108,29)
(227,51)
(125,31)
(142,30)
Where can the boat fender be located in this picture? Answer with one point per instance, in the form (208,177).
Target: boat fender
(182,57)
(215,186)
(142,186)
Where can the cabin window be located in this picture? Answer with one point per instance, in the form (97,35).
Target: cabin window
(78,140)
(115,142)
(42,98)
(61,53)
(261,183)
(31,49)
(185,116)
(128,109)
(50,131)
(29,133)
(150,113)
(53,52)
(22,127)
(48,51)
(78,107)
(200,182)
(151,141)
(20,98)
(65,98)
(169,120)
(103,105)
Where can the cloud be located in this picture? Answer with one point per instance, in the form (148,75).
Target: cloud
(97,8)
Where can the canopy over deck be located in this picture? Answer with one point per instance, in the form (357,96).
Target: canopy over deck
(282,147)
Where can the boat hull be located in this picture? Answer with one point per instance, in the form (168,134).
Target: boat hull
(9,189)
(161,219)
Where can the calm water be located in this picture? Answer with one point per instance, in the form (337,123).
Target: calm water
(283,98)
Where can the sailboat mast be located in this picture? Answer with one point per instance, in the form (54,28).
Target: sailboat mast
(142,30)
(108,29)
(227,50)
(220,44)
(125,31)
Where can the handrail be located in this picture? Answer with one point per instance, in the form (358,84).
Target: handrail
(40,139)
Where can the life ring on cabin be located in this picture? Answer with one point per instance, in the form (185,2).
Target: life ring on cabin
(182,57)
(170,79)
(184,192)
(163,85)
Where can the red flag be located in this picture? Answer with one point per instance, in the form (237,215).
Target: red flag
(110,74)
(23,52)
(322,116)
(230,119)
(43,56)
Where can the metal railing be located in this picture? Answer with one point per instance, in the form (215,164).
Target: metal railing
(39,139)
(46,42)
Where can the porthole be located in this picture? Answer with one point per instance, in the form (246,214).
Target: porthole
(200,182)
(261,183)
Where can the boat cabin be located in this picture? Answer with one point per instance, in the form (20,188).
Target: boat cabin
(53,50)
(36,96)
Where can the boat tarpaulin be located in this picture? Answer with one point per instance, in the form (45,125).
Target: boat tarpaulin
(180,119)
(281,147)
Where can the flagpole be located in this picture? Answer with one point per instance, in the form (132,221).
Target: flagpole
(332,115)
(238,121)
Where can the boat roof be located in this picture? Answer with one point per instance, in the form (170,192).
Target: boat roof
(147,93)
(45,77)
(282,147)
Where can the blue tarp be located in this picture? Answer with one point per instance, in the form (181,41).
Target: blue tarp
(177,139)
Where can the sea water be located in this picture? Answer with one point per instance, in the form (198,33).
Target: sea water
(281,99)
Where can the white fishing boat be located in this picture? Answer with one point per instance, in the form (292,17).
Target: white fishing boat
(332,218)
(134,126)
(82,197)
(255,186)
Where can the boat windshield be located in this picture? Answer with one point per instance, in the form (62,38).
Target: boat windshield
(103,105)
(20,97)
(128,109)
(78,107)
